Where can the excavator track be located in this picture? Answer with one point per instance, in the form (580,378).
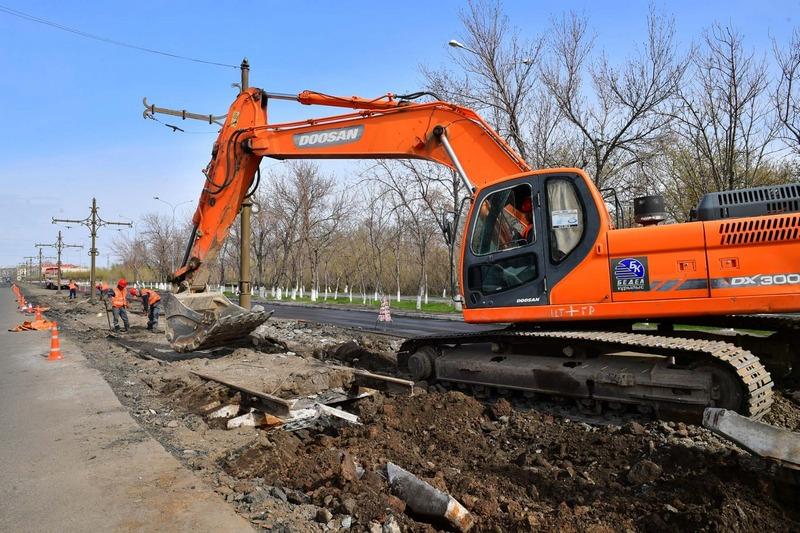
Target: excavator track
(773,339)
(692,357)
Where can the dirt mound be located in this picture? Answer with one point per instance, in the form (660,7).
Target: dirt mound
(521,471)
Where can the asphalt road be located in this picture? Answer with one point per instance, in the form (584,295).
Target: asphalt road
(402,326)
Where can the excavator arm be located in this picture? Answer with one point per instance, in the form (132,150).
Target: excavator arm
(382,128)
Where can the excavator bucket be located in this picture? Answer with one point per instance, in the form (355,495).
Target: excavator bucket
(207,319)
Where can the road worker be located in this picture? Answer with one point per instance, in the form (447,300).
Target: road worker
(527,211)
(143,293)
(153,300)
(73,289)
(119,302)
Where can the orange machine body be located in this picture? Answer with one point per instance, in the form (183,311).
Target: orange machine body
(573,266)
(719,267)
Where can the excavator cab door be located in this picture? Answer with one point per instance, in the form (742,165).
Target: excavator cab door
(503,257)
(571,227)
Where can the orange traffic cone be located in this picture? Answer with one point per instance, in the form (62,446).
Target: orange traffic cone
(55,345)
(38,313)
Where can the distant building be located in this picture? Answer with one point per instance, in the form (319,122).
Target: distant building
(67,269)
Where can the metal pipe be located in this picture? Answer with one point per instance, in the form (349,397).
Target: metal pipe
(244,256)
(280,96)
(189,246)
(441,133)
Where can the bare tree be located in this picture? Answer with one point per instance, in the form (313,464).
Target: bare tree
(400,186)
(724,128)
(625,113)
(440,191)
(162,240)
(498,71)
(787,91)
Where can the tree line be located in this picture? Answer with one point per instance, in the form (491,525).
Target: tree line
(672,118)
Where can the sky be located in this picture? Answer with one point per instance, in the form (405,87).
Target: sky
(72,107)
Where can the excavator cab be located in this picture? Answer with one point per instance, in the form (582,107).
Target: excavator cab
(524,235)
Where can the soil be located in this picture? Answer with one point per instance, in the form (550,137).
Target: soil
(514,463)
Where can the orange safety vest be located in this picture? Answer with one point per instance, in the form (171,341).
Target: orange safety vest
(152,296)
(72,286)
(119,299)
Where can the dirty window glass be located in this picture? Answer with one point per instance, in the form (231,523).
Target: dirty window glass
(566,218)
(505,221)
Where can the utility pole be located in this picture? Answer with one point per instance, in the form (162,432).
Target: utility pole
(59,245)
(41,265)
(93,222)
(244,252)
(29,266)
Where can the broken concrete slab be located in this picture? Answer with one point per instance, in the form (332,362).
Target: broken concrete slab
(338,413)
(227,411)
(254,419)
(421,497)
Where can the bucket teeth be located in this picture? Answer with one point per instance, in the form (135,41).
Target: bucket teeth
(196,321)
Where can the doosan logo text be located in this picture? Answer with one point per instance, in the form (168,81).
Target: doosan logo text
(328,137)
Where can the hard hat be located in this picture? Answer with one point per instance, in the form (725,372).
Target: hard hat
(132,291)
(527,205)
(122,283)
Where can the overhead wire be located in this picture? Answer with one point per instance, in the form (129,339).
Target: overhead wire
(87,35)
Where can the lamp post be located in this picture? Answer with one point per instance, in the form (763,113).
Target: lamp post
(174,207)
(457,44)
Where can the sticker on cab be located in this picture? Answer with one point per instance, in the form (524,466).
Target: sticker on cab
(564,218)
(630,274)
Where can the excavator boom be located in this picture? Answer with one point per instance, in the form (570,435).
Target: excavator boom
(381,128)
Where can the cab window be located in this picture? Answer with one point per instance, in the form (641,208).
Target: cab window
(565,218)
(505,221)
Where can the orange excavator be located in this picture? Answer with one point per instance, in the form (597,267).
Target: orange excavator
(584,309)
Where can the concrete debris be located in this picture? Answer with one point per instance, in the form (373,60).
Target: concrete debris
(391,526)
(323,516)
(338,413)
(644,472)
(770,442)
(318,414)
(210,406)
(254,419)
(225,412)
(423,498)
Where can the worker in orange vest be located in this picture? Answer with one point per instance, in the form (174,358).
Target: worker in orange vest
(119,303)
(73,289)
(153,300)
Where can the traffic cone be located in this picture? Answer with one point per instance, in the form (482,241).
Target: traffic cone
(38,315)
(55,345)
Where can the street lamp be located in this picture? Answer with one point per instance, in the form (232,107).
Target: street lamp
(456,44)
(174,207)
